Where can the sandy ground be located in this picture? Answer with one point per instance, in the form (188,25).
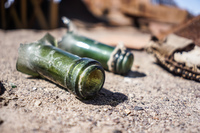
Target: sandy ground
(148,99)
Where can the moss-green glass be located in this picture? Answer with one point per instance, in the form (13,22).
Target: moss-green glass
(83,77)
(121,59)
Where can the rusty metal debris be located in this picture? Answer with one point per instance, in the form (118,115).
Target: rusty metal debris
(177,52)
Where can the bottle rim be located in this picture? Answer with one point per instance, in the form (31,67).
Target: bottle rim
(85,78)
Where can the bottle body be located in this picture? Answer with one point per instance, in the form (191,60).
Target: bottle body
(83,77)
(118,60)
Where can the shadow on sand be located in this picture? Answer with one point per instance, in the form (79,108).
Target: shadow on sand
(106,97)
(135,74)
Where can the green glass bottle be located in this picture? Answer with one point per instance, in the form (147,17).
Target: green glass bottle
(83,77)
(118,60)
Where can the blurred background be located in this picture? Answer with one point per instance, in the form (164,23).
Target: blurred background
(109,21)
(46,14)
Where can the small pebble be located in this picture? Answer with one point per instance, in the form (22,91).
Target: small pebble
(127,111)
(38,103)
(188,114)
(34,88)
(166,99)
(137,108)
(155,118)
(105,109)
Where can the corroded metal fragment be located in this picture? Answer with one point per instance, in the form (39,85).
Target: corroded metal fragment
(166,52)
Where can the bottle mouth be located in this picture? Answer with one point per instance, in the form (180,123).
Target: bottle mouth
(85,78)
(91,81)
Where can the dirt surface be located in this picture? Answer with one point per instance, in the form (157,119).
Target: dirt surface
(148,99)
